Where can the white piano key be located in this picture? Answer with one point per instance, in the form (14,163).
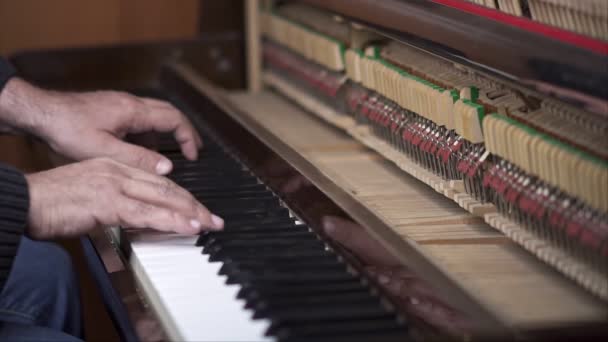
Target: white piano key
(194,302)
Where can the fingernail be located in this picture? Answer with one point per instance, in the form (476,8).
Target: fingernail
(163,167)
(196,224)
(218,222)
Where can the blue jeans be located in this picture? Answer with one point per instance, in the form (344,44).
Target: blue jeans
(41,300)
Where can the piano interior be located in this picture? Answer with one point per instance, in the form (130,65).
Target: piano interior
(392,170)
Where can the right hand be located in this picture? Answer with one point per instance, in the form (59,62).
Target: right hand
(74,199)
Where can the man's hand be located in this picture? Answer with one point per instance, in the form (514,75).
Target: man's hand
(74,199)
(90,125)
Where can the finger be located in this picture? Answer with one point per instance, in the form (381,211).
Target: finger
(137,214)
(136,156)
(163,117)
(166,194)
(358,241)
(155,102)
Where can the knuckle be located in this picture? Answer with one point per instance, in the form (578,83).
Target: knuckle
(131,104)
(142,208)
(141,158)
(174,217)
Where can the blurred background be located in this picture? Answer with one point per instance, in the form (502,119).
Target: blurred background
(43,24)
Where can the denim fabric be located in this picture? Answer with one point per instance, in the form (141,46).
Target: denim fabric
(40,300)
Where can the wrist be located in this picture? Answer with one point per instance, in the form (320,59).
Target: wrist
(22,107)
(36,208)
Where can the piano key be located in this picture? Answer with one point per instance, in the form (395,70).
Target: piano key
(215,239)
(191,293)
(254,295)
(241,205)
(217,183)
(207,188)
(391,336)
(274,264)
(276,218)
(240,252)
(288,277)
(264,309)
(264,263)
(349,327)
(322,313)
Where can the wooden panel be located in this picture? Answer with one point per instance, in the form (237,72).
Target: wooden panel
(40,24)
(158,19)
(34,24)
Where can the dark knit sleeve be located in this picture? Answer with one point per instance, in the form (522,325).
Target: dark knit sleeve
(6,72)
(14,207)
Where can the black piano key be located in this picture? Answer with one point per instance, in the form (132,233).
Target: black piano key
(250,293)
(217,183)
(259,268)
(263,197)
(291,276)
(260,288)
(194,172)
(209,188)
(278,245)
(262,220)
(230,255)
(243,205)
(264,309)
(288,248)
(319,299)
(253,222)
(389,336)
(327,261)
(246,217)
(281,239)
(285,233)
(243,193)
(285,271)
(375,326)
(293,316)
(261,243)
(281,262)
(253,296)
(250,231)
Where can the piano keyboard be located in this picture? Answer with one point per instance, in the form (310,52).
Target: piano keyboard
(267,276)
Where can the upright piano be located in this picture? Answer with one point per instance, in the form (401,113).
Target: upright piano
(388,171)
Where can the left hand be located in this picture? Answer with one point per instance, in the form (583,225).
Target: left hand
(92,124)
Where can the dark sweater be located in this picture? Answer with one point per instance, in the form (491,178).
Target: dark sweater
(14,200)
